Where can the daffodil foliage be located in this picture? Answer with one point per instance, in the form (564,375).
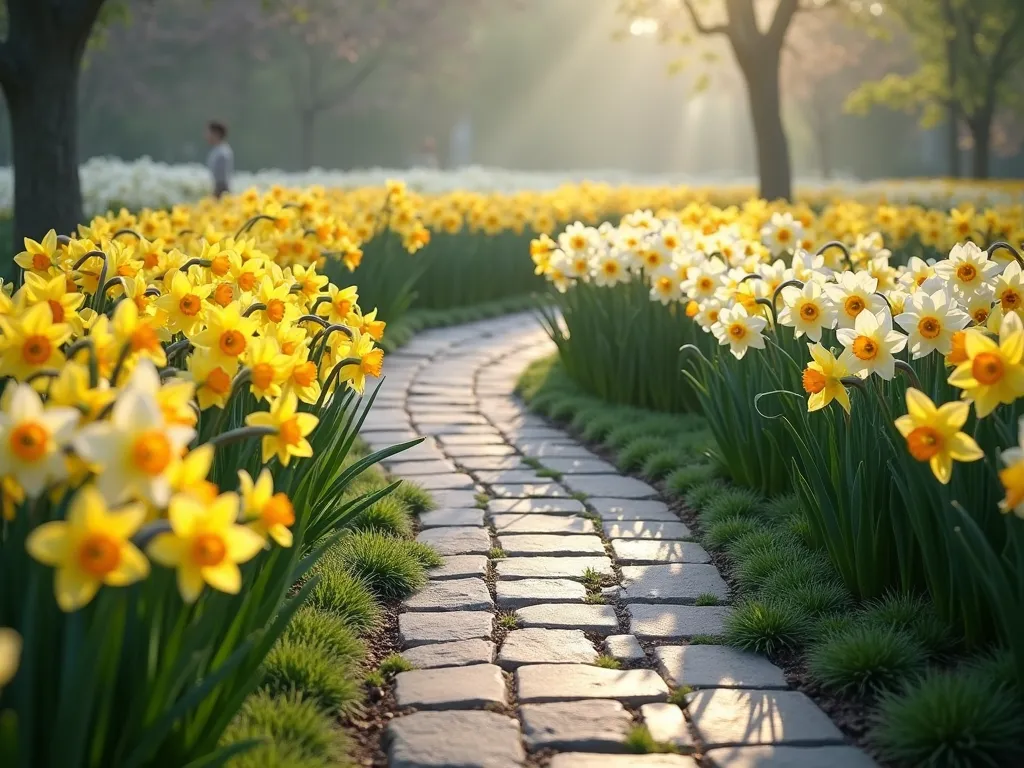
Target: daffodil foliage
(180,391)
(869,358)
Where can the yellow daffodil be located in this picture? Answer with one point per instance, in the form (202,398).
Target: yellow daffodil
(993,373)
(189,476)
(183,304)
(39,257)
(342,300)
(370,361)
(1012,475)
(137,335)
(205,545)
(822,379)
(32,439)
(227,335)
(291,429)
(53,291)
(933,434)
(31,342)
(10,653)
(268,367)
(91,548)
(136,450)
(269,514)
(212,380)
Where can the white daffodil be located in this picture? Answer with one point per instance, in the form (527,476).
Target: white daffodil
(967,268)
(807,310)
(32,439)
(853,293)
(703,280)
(930,322)
(870,345)
(739,330)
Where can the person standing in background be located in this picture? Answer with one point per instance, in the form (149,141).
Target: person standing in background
(221,160)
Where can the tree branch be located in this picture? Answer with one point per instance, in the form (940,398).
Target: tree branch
(700,26)
(784,13)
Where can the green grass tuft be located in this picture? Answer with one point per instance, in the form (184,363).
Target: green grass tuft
(594,598)
(700,639)
(608,662)
(313,627)
(640,742)
(579,496)
(529,461)
(681,481)
(312,671)
(551,474)
(592,579)
(394,663)
(662,463)
(678,695)
(417,500)
(388,567)
(949,720)
(633,429)
(496,553)
(866,659)
(344,595)
(914,615)
(586,415)
(507,619)
(765,627)
(723,533)
(812,598)
(424,553)
(731,502)
(389,515)
(707,598)
(291,729)
(752,571)
(633,455)
(598,428)
(701,494)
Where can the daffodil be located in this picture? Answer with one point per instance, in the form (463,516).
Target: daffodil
(933,434)
(930,322)
(992,374)
(32,439)
(342,300)
(269,368)
(205,545)
(183,303)
(854,293)
(371,359)
(39,257)
(1012,475)
(290,426)
(871,345)
(967,268)
(807,310)
(822,379)
(739,330)
(189,476)
(269,514)
(90,549)
(227,335)
(31,342)
(212,380)
(10,653)
(53,291)
(138,335)
(136,450)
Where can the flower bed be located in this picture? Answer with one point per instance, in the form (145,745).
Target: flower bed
(179,410)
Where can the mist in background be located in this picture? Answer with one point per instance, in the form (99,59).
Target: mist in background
(539,85)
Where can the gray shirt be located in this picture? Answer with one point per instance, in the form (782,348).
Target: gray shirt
(221,162)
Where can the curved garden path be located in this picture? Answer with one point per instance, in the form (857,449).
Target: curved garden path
(486,694)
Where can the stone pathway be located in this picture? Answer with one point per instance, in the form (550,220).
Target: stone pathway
(553,574)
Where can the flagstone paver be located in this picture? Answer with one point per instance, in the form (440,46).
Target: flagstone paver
(546,646)
(458,654)
(594,726)
(470,687)
(456,387)
(451,595)
(519,593)
(625,648)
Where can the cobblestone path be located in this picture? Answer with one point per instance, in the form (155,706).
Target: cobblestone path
(507,636)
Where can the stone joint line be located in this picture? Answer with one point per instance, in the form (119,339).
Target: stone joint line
(594,566)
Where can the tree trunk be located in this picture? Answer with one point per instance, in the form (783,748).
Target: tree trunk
(307,138)
(43,107)
(773,163)
(824,153)
(953,142)
(981,132)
